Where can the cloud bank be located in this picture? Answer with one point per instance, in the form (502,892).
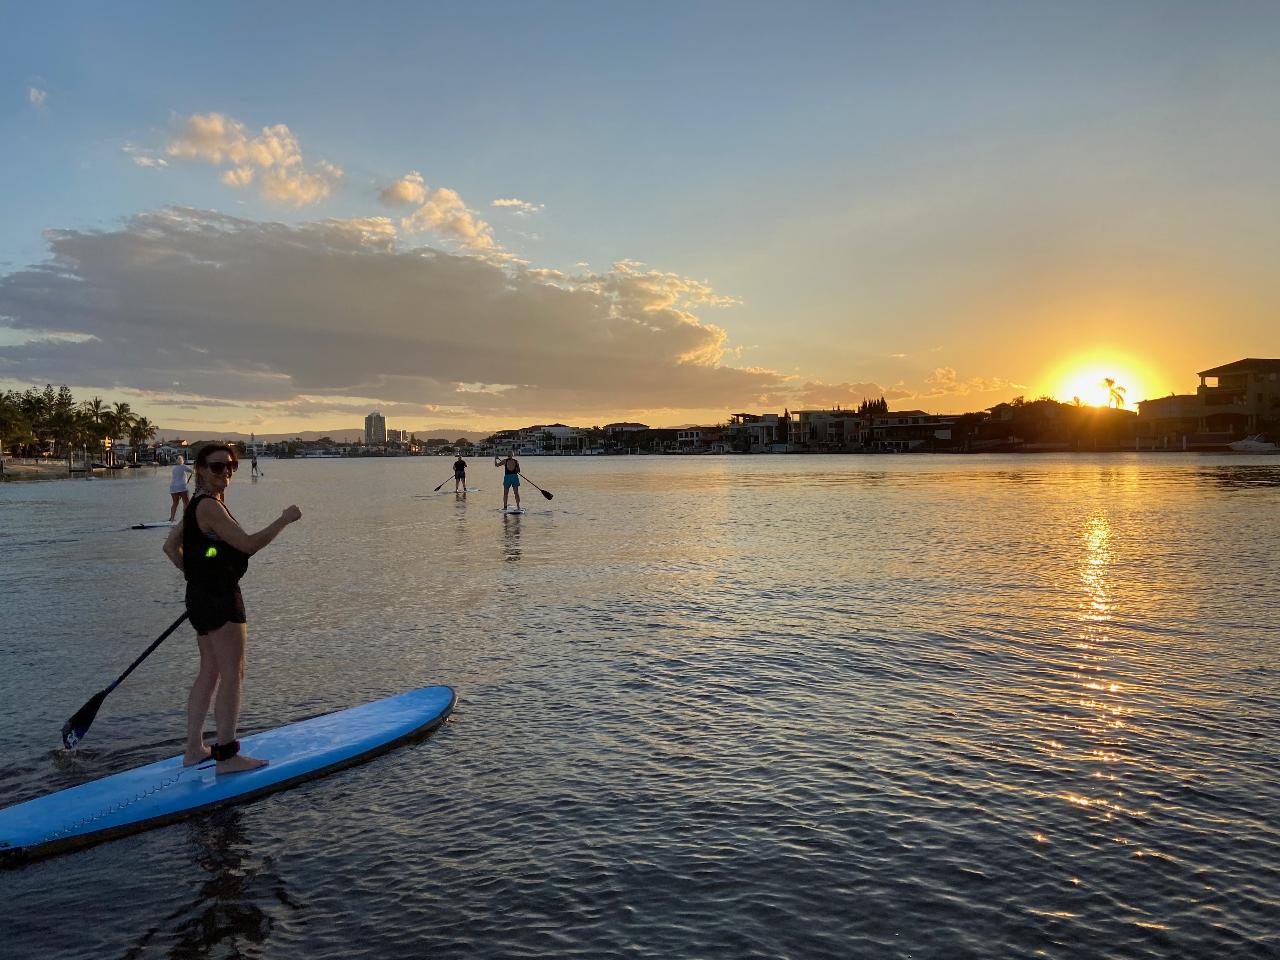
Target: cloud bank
(332,313)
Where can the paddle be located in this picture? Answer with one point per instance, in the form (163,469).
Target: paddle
(73,730)
(437,489)
(545,493)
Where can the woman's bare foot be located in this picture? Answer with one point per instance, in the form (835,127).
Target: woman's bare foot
(190,759)
(240,764)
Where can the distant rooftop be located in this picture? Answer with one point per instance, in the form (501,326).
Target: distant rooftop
(1242,366)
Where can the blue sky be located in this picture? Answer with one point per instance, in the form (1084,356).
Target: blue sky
(951,202)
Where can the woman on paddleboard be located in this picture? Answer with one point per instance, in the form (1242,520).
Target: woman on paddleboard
(178,488)
(459,475)
(212,551)
(510,478)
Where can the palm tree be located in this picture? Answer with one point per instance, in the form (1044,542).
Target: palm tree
(140,431)
(1114,392)
(95,408)
(88,434)
(117,420)
(65,428)
(97,413)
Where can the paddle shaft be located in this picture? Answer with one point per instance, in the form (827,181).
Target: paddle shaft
(147,652)
(536,487)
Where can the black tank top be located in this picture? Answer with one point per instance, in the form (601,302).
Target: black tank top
(206,560)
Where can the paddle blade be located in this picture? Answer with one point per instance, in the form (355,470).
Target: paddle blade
(73,730)
(547,494)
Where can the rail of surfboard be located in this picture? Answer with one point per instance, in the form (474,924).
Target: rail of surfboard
(143,798)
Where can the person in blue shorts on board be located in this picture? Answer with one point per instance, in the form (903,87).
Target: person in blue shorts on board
(510,478)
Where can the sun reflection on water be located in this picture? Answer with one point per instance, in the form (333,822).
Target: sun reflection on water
(1101,709)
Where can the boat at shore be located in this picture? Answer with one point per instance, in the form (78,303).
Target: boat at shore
(1256,443)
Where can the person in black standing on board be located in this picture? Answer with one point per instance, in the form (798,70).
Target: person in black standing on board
(212,551)
(510,478)
(459,475)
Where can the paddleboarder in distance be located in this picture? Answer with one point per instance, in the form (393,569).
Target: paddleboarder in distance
(178,488)
(459,475)
(510,478)
(212,550)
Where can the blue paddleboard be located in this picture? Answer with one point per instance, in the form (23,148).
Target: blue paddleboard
(165,791)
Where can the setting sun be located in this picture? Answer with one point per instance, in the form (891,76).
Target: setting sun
(1087,379)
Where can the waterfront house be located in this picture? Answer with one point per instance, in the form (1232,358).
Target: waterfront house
(689,439)
(620,437)
(827,430)
(1232,401)
(899,431)
(696,439)
(624,427)
(559,438)
(1244,395)
(1045,425)
(1173,423)
(760,432)
(172,451)
(658,440)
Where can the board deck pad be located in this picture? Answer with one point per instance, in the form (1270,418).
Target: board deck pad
(165,791)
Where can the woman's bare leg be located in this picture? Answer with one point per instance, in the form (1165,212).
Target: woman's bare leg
(228,643)
(173,506)
(198,701)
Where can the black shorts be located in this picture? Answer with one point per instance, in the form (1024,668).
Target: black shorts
(457,475)
(211,609)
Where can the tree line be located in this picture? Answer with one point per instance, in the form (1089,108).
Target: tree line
(49,422)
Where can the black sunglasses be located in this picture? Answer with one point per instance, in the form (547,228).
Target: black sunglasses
(219,467)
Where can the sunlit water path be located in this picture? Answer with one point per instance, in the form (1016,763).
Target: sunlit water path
(708,707)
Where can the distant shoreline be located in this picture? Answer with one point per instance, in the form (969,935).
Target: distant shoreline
(34,472)
(53,470)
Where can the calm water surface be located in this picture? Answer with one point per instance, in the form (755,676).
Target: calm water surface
(708,707)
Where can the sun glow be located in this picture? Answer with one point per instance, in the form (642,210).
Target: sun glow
(1100,382)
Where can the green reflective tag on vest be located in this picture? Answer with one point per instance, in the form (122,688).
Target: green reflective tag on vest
(211,552)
